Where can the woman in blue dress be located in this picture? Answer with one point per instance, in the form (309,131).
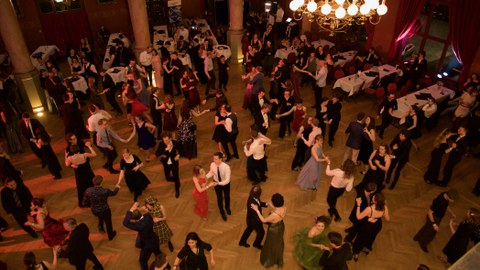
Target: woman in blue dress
(310,174)
(146,140)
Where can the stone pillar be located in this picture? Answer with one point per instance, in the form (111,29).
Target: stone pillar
(141,30)
(235,32)
(26,75)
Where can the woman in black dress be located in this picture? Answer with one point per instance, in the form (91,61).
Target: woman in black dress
(220,132)
(192,255)
(462,234)
(187,130)
(156,111)
(136,181)
(379,162)
(167,76)
(79,160)
(366,147)
(303,132)
(412,125)
(43,143)
(170,120)
(369,230)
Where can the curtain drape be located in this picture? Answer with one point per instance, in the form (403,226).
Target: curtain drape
(407,16)
(464,21)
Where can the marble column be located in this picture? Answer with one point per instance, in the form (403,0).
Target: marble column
(26,75)
(235,32)
(141,30)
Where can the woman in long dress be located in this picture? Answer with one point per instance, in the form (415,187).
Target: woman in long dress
(156,107)
(160,226)
(187,133)
(303,133)
(366,147)
(370,229)
(200,191)
(170,120)
(146,141)
(220,132)
(310,174)
(43,143)
(308,242)
(272,251)
(157,69)
(77,158)
(167,76)
(53,232)
(379,162)
(130,166)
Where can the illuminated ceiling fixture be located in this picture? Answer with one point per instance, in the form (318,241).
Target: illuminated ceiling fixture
(338,15)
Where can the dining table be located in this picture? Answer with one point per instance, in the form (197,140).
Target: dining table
(323,43)
(79,83)
(118,74)
(340,59)
(42,54)
(283,53)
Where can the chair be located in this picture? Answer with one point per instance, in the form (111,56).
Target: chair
(380,94)
(404,90)
(339,74)
(370,91)
(392,88)
(367,67)
(351,70)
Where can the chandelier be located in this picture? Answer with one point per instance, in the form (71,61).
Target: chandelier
(338,15)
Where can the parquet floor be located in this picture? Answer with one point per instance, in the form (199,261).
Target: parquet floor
(393,249)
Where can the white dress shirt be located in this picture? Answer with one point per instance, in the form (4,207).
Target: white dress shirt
(145,58)
(429,110)
(338,180)
(224,173)
(257,148)
(321,77)
(94,118)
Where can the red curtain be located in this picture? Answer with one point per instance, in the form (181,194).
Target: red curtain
(407,16)
(464,21)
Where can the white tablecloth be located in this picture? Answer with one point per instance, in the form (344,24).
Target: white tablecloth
(107,64)
(160,34)
(185,58)
(45,52)
(348,57)
(201,25)
(118,74)
(114,36)
(322,43)
(404,103)
(354,83)
(385,70)
(283,53)
(222,50)
(79,83)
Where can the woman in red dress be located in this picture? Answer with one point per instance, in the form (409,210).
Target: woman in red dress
(188,84)
(200,191)
(52,229)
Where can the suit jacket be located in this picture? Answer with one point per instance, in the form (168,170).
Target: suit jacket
(26,133)
(146,238)
(108,83)
(461,148)
(259,121)
(23,194)
(79,247)
(255,104)
(365,203)
(338,259)
(161,150)
(355,137)
(402,153)
(252,216)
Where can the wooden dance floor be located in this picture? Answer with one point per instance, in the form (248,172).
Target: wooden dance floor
(394,247)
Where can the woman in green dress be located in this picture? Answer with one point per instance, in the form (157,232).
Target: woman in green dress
(308,242)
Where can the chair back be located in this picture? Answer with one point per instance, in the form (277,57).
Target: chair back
(351,70)
(367,67)
(392,88)
(339,74)
(404,90)
(380,94)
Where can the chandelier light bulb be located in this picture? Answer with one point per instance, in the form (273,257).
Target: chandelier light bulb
(374,4)
(364,9)
(340,13)
(312,6)
(382,9)
(352,10)
(294,5)
(326,9)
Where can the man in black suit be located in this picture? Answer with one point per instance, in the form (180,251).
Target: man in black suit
(253,222)
(333,116)
(386,108)
(220,99)
(258,101)
(457,149)
(341,253)
(355,137)
(28,127)
(232,132)
(261,119)
(79,248)
(400,146)
(16,200)
(146,240)
(109,88)
(366,194)
(169,154)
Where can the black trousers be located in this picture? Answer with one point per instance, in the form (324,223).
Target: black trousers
(284,126)
(332,130)
(386,119)
(223,191)
(222,81)
(400,165)
(211,82)
(232,140)
(21,218)
(426,234)
(37,151)
(256,226)
(332,196)
(110,96)
(171,175)
(111,156)
(105,217)
(317,91)
(80,265)
(145,254)
(256,169)
(452,161)
(353,231)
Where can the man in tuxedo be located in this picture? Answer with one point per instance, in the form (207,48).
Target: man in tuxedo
(400,146)
(355,137)
(220,99)
(386,109)
(220,171)
(456,151)
(79,248)
(147,240)
(340,254)
(253,222)
(16,200)
(169,154)
(28,127)
(366,194)
(232,132)
(261,119)
(109,88)
(258,101)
